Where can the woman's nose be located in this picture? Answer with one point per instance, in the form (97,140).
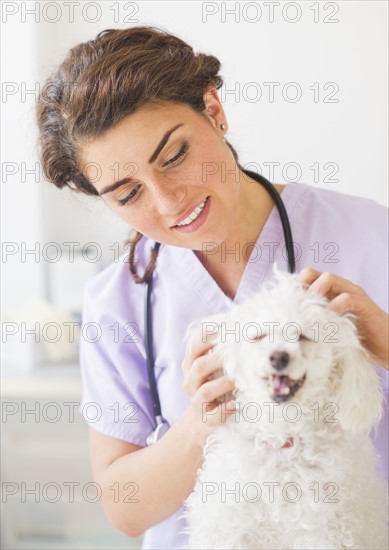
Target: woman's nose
(169,198)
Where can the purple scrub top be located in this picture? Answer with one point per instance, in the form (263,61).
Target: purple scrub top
(334,232)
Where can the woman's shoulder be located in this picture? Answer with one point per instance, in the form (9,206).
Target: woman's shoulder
(333,208)
(326,197)
(342,233)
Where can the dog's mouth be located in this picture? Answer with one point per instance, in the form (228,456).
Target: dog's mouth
(282,387)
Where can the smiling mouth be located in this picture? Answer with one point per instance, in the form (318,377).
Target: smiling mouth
(193,215)
(282,387)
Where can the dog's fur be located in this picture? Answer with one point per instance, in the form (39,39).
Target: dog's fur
(272,479)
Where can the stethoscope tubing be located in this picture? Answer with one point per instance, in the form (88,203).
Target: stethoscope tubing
(161,424)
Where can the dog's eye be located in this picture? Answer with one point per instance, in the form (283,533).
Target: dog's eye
(258,337)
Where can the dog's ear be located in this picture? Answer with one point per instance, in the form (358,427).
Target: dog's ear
(360,396)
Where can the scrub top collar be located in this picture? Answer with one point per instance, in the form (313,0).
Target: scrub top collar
(269,240)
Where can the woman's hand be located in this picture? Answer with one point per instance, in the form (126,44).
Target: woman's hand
(198,368)
(345,296)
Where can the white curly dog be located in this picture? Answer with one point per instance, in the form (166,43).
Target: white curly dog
(295,467)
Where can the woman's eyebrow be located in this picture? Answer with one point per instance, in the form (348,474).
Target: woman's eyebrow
(163,142)
(153,157)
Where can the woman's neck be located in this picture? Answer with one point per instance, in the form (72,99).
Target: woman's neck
(227,265)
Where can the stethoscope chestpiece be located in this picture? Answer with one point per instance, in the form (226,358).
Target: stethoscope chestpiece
(159,431)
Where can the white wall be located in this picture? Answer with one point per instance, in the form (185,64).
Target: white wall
(351,133)
(21,211)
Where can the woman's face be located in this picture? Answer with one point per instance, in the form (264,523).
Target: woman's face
(156,168)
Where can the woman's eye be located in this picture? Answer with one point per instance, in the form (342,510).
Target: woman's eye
(129,197)
(180,154)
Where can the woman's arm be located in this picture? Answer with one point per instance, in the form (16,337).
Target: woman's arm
(143,486)
(345,296)
(160,477)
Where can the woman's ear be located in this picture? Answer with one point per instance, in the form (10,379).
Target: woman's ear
(214,108)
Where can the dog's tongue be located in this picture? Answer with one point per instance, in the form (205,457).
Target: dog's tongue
(280,385)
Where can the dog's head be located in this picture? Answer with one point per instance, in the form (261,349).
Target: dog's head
(284,344)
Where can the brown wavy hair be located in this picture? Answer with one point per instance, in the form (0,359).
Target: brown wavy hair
(106,79)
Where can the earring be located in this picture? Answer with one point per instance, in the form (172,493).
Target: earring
(209,109)
(222,126)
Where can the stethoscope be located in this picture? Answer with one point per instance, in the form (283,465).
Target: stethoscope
(161,424)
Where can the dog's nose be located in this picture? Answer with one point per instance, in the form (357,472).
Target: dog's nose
(279,359)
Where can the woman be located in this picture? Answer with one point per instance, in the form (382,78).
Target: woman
(134,117)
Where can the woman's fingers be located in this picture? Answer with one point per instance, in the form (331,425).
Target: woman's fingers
(328,284)
(213,389)
(201,370)
(206,400)
(346,297)
(204,386)
(198,344)
(347,302)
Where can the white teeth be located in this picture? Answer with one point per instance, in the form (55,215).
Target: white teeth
(194,214)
